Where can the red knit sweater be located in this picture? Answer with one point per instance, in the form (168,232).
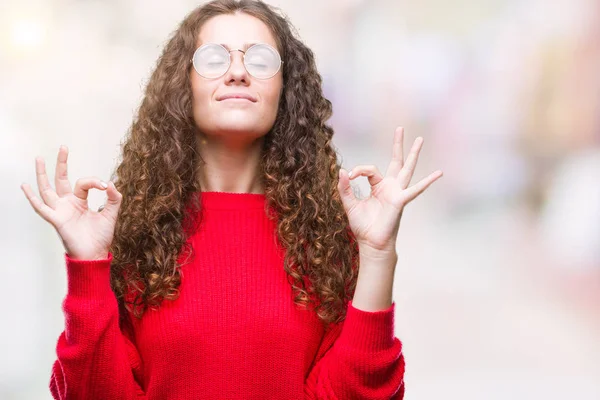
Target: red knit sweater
(234,332)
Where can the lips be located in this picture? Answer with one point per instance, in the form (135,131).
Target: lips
(236,96)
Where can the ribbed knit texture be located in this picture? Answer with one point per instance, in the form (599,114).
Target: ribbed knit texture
(234,332)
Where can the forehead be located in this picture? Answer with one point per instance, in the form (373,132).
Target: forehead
(235,30)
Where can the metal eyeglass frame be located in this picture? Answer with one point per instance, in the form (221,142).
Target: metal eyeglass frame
(243,59)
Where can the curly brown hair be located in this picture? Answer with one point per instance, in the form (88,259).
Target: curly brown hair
(158,177)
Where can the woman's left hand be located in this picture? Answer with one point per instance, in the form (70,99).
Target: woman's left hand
(375,221)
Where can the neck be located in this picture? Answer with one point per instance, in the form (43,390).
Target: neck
(230,167)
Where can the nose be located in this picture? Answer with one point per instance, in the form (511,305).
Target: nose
(237,71)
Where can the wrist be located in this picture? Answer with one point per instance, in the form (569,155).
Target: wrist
(384,254)
(90,257)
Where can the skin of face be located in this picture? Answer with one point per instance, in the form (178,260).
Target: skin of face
(235,124)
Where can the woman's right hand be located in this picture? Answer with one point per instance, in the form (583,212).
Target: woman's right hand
(86,234)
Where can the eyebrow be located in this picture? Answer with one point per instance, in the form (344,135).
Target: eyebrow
(245,47)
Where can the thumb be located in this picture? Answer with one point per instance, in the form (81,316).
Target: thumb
(346,193)
(113,202)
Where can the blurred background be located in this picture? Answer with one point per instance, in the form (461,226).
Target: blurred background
(498,281)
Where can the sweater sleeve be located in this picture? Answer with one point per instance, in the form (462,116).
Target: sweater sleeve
(359,358)
(95,360)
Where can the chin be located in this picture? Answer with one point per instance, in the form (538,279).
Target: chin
(248,124)
(240,122)
(244,127)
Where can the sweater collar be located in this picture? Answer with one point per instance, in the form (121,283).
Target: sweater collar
(232,201)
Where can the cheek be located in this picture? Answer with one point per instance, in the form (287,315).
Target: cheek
(201,95)
(274,94)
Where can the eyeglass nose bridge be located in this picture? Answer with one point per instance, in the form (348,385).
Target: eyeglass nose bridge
(231,60)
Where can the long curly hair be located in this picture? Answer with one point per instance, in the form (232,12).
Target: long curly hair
(158,178)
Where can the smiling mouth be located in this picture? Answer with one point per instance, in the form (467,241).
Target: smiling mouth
(237,99)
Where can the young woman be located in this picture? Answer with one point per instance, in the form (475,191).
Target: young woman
(231,259)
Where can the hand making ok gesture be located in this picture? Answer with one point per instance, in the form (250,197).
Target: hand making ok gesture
(375,220)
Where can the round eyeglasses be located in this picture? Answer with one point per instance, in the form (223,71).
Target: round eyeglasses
(212,60)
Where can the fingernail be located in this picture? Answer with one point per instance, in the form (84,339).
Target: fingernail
(104,184)
(350,174)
